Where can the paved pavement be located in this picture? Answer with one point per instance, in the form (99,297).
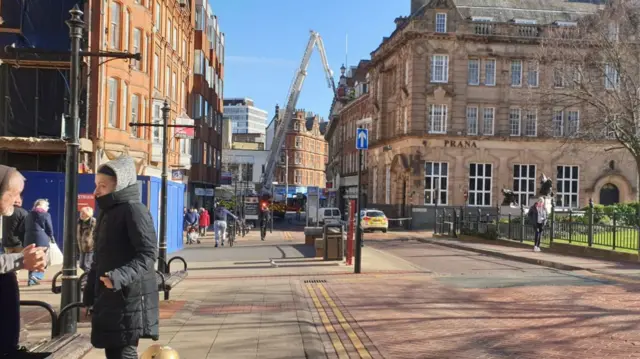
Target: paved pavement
(413,300)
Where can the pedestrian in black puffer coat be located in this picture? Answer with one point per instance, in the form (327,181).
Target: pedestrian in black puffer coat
(121,285)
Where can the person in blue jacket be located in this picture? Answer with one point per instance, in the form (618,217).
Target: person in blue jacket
(38,230)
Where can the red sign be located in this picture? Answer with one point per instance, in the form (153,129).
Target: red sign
(86,200)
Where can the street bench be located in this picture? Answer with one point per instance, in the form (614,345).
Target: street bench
(167,281)
(66,346)
(57,289)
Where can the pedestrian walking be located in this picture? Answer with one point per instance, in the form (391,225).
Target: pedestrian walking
(31,258)
(220,224)
(204,221)
(86,226)
(121,284)
(38,231)
(538,218)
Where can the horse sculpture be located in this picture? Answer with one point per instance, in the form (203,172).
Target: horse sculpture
(546,186)
(510,198)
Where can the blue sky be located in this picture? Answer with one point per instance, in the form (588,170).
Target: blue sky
(265,41)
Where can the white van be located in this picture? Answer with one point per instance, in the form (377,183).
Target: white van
(326,215)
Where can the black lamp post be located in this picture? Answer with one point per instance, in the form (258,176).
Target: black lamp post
(162,245)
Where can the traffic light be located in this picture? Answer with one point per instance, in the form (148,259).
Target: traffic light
(264,205)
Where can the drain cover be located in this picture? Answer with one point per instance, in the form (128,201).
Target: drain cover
(315,281)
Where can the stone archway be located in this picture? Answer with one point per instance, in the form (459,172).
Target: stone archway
(609,194)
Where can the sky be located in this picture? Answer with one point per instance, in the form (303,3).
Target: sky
(265,41)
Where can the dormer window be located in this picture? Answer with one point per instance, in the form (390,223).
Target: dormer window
(296,126)
(565,23)
(524,21)
(481,19)
(441,22)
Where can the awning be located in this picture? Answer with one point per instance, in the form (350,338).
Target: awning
(40,145)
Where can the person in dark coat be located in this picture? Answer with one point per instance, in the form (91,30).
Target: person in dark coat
(38,230)
(121,284)
(31,258)
(13,229)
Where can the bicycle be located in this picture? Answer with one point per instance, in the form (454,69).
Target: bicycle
(231,232)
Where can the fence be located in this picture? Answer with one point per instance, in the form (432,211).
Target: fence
(588,228)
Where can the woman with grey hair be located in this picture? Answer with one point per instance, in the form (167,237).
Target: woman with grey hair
(38,230)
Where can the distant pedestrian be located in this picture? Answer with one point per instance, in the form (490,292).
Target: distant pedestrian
(38,231)
(220,225)
(538,218)
(121,284)
(204,221)
(86,226)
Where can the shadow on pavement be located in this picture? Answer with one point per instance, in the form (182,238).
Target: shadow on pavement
(280,265)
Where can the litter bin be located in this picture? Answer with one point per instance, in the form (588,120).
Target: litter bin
(332,235)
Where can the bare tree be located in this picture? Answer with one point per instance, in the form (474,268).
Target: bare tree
(593,68)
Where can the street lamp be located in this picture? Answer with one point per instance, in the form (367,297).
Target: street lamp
(162,246)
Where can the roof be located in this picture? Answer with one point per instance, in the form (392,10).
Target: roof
(543,11)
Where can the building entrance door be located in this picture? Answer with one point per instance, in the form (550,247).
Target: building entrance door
(609,194)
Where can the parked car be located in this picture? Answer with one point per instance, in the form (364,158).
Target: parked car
(374,219)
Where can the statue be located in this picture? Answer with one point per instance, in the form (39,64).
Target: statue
(546,186)
(510,198)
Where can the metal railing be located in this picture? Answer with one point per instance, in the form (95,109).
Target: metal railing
(590,228)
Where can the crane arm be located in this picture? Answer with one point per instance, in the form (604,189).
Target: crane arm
(325,63)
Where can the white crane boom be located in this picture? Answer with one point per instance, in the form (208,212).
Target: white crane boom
(292,99)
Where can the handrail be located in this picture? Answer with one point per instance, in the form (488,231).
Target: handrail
(52,312)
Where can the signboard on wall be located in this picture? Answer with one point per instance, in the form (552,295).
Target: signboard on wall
(86,200)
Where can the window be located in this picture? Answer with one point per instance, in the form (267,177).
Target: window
(184,49)
(167,81)
(405,119)
(297,174)
(296,126)
(115,25)
(557,123)
(143,118)
(125,101)
(480,184)
(158,20)
(440,68)
(156,71)
(531,123)
(197,62)
(567,179)
(472,120)
(611,77)
(490,72)
(174,39)
(473,72)
(558,78)
(436,183)
(387,184)
(297,158)
(516,73)
(524,183)
(126,31)
(488,120)
(613,31)
(438,118)
(169,30)
(532,74)
(157,118)
(136,47)
(135,103)
(173,85)
(146,50)
(441,22)
(112,110)
(298,142)
(514,122)
(573,123)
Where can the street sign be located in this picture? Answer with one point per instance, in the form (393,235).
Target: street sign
(362,139)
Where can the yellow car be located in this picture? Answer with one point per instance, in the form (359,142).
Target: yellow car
(373,219)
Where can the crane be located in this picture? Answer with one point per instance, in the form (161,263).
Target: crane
(292,99)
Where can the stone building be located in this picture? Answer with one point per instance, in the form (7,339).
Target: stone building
(351,110)
(306,148)
(452,115)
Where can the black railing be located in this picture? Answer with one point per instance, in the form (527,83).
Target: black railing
(590,228)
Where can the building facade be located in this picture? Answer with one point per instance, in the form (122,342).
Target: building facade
(350,111)
(123,92)
(206,106)
(304,152)
(244,116)
(453,120)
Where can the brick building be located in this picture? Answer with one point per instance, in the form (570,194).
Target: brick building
(134,91)
(351,110)
(306,148)
(453,120)
(206,106)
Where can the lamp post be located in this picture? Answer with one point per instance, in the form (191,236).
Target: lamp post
(162,245)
